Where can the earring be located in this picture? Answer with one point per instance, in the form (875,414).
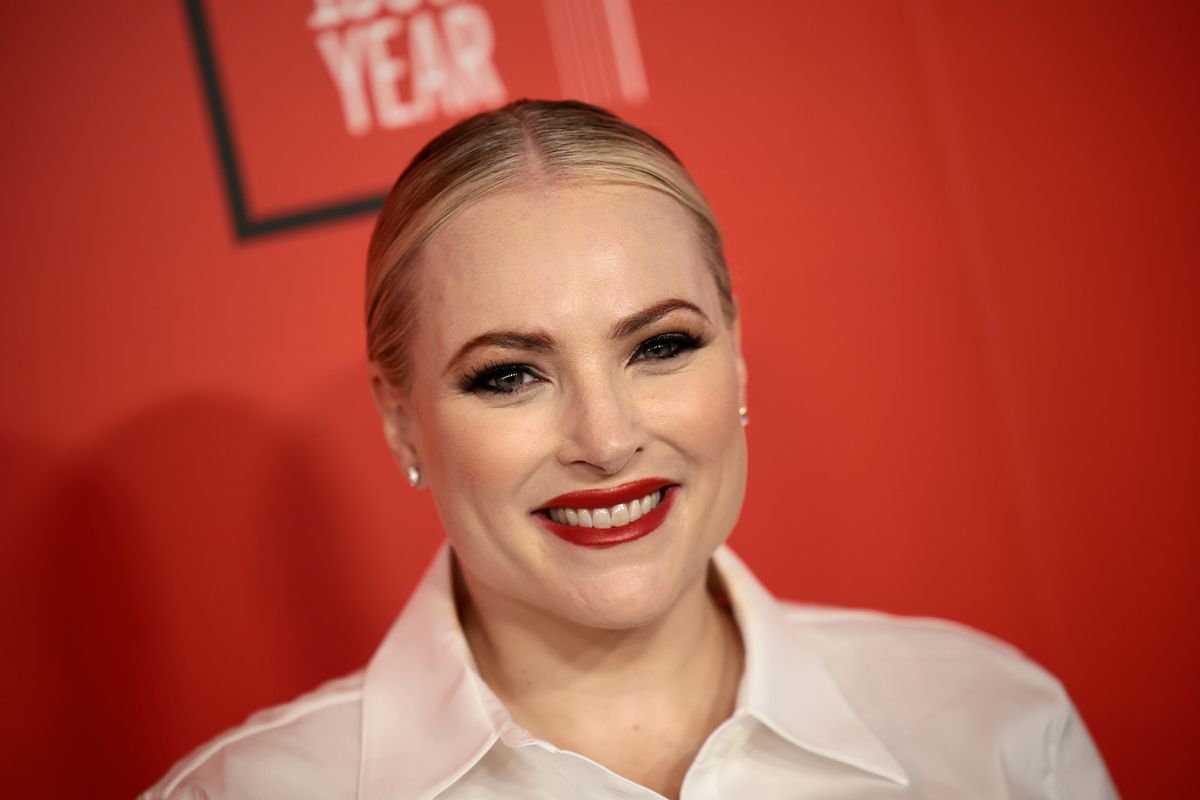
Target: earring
(744,413)
(414,476)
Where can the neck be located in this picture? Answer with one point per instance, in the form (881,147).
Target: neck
(555,675)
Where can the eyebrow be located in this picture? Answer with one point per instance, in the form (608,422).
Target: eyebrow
(538,341)
(648,316)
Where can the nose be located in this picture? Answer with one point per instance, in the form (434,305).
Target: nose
(601,424)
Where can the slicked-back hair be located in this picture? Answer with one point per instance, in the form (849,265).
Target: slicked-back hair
(525,143)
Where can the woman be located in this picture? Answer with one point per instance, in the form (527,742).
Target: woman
(555,355)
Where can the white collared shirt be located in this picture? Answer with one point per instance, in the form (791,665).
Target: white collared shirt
(833,703)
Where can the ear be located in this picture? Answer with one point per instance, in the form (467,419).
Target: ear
(396,415)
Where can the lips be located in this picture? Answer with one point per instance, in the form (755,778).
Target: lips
(607,517)
(601,498)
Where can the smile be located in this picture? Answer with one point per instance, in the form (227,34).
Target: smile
(607,517)
(611,517)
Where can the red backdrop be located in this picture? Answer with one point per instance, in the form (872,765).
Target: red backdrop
(964,237)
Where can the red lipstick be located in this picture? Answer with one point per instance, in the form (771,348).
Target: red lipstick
(606,498)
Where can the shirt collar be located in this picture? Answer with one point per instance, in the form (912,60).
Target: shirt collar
(424,719)
(428,718)
(787,686)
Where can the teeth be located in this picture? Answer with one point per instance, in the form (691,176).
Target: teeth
(614,517)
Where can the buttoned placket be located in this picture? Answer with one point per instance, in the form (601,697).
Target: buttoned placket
(700,781)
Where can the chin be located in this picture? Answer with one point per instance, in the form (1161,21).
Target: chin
(623,601)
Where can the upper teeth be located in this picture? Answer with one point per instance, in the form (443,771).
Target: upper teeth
(612,517)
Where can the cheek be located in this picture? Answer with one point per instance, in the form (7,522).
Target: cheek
(479,455)
(698,416)
(697,408)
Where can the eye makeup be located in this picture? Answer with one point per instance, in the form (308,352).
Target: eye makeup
(498,377)
(503,378)
(666,346)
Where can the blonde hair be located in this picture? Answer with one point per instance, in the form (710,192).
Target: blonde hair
(523,143)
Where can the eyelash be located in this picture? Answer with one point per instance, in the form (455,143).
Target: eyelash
(479,380)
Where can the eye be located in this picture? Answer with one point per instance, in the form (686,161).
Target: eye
(667,345)
(500,379)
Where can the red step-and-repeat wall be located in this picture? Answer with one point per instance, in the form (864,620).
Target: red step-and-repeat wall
(964,236)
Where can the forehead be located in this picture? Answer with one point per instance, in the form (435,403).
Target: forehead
(550,258)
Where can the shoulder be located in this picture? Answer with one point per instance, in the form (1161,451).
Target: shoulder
(306,748)
(954,703)
(858,634)
(911,673)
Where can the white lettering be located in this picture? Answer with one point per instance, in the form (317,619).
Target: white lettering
(386,70)
(326,14)
(434,84)
(469,34)
(332,13)
(343,56)
(357,10)
(447,68)
(402,6)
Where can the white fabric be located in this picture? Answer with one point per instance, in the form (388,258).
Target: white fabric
(833,704)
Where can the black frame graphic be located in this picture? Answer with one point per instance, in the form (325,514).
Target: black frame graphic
(245,225)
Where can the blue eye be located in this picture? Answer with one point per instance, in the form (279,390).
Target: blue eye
(500,379)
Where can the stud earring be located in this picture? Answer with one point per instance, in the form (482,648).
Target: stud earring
(744,413)
(414,476)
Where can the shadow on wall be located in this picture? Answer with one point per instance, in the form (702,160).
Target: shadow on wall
(189,566)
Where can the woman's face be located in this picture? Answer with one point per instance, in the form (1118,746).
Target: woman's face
(537,371)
